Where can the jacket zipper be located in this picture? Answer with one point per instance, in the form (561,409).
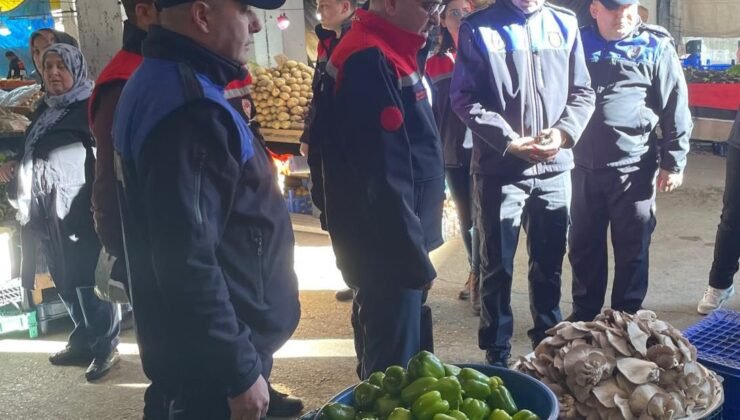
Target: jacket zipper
(197,188)
(533,83)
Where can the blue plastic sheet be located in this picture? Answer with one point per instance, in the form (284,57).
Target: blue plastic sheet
(22,21)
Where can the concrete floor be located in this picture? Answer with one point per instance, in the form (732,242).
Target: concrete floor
(319,361)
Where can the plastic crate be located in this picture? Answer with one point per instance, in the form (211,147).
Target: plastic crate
(717,338)
(11,292)
(21,322)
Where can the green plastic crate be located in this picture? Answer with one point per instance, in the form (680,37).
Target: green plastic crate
(22,322)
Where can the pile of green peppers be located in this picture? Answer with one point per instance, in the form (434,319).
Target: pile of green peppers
(429,390)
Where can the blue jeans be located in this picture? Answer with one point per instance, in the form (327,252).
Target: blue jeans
(542,206)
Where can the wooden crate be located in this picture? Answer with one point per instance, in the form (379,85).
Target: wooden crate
(282,136)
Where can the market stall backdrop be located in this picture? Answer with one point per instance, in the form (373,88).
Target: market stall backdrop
(22,17)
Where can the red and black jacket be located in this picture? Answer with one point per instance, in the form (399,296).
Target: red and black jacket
(452,130)
(381,158)
(328,41)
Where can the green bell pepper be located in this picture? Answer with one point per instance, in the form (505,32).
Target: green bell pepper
(336,411)
(386,404)
(501,397)
(416,389)
(429,404)
(458,415)
(451,370)
(443,417)
(525,415)
(475,409)
(475,384)
(425,364)
(450,389)
(400,414)
(395,380)
(499,415)
(365,395)
(377,379)
(366,415)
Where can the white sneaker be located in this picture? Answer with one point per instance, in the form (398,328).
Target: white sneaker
(714,299)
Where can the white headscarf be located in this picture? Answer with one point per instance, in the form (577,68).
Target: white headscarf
(58,106)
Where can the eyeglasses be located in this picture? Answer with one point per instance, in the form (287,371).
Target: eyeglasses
(458,13)
(433,8)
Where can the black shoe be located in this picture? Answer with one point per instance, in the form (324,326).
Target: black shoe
(497,359)
(100,366)
(283,405)
(344,295)
(71,357)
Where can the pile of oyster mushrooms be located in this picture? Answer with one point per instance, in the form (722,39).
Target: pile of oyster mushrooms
(621,366)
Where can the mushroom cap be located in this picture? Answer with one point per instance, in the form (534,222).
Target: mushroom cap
(641,397)
(637,337)
(638,371)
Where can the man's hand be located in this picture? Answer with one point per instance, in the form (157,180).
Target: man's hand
(7,171)
(549,142)
(523,148)
(304,149)
(669,181)
(253,404)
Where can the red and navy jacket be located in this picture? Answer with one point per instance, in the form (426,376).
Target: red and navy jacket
(328,41)
(382,160)
(439,69)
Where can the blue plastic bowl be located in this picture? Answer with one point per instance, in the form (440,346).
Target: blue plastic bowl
(529,393)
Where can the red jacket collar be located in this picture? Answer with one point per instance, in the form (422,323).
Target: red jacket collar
(404,44)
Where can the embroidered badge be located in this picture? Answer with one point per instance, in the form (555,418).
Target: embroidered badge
(555,39)
(391,118)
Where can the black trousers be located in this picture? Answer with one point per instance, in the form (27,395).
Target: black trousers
(96,322)
(626,202)
(727,243)
(460,182)
(390,327)
(541,205)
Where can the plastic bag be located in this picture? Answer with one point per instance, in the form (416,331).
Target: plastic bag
(107,288)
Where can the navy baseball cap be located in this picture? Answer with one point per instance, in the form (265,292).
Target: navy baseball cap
(260,4)
(616,4)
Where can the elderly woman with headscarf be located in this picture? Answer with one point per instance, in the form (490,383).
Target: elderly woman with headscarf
(39,42)
(54,185)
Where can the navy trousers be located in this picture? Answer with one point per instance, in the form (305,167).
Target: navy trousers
(390,327)
(541,205)
(625,200)
(96,321)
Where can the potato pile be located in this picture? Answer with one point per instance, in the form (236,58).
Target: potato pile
(282,94)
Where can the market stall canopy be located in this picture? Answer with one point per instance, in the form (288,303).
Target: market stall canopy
(708,18)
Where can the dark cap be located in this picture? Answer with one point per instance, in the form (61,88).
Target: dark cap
(260,4)
(616,4)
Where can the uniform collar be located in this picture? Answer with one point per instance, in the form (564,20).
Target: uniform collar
(167,45)
(405,44)
(519,11)
(324,34)
(133,37)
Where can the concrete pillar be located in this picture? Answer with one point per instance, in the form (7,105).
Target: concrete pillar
(100,27)
(69,19)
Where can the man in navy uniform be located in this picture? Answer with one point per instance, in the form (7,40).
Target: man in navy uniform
(383,177)
(640,87)
(208,238)
(521,85)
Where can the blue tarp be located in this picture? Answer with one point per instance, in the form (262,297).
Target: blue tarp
(31,15)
